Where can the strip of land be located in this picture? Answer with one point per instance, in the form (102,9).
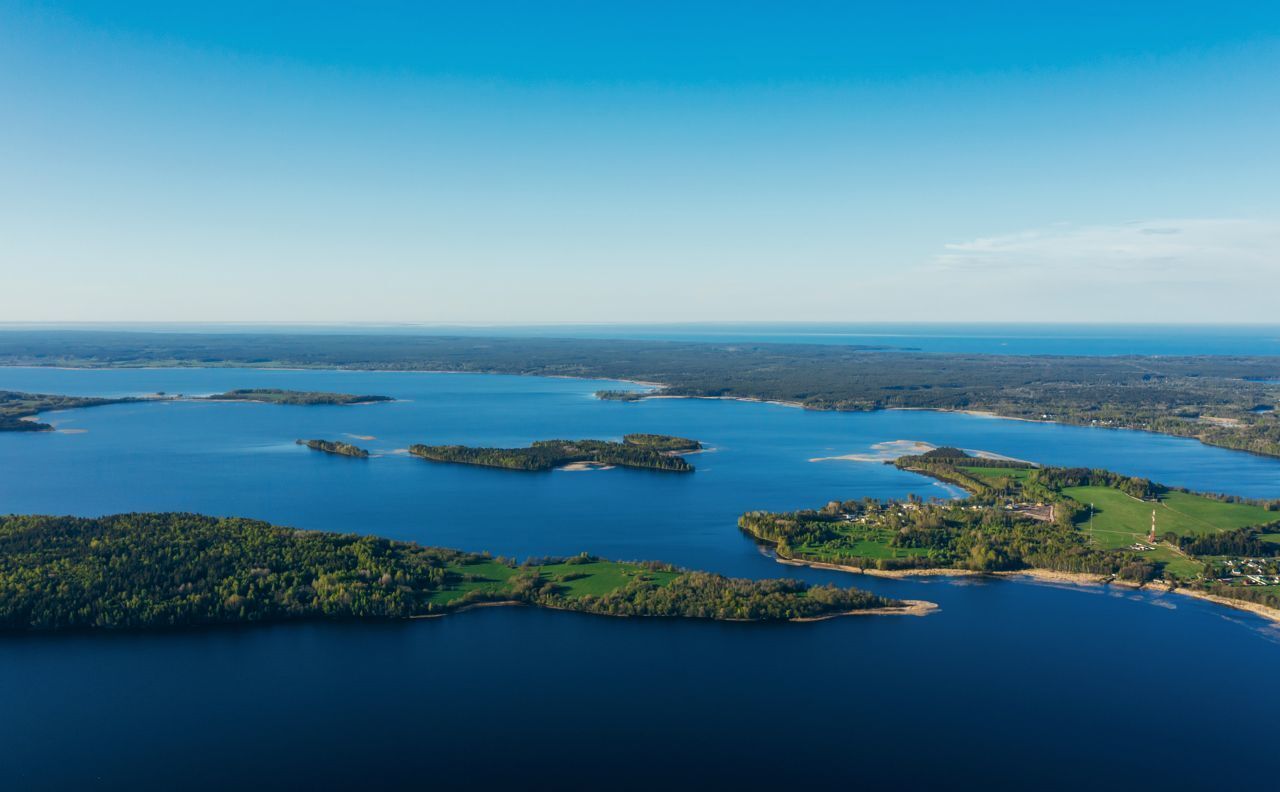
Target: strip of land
(647,451)
(335,447)
(18,410)
(279,396)
(1064,524)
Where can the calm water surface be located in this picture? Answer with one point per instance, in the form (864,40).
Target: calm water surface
(1009,684)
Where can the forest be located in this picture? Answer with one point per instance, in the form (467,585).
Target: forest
(164,570)
(278,396)
(1221,400)
(335,447)
(648,451)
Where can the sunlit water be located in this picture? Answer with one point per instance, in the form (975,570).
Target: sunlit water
(1039,684)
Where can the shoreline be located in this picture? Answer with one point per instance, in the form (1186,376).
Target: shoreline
(1042,575)
(910,607)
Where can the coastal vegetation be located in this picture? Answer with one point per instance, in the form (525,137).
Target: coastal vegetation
(278,396)
(335,447)
(164,570)
(648,451)
(17,408)
(1020,517)
(1220,400)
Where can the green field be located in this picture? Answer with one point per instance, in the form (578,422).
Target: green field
(1119,520)
(995,474)
(594,578)
(856,541)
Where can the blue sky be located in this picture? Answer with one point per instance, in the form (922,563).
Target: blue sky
(533,162)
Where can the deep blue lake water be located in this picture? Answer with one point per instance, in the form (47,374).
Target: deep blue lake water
(1010,684)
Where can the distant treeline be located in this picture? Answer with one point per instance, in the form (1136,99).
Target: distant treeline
(653,452)
(1211,397)
(171,569)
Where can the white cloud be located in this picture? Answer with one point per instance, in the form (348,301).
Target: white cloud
(1218,251)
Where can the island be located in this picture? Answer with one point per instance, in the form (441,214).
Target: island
(171,570)
(335,447)
(1064,523)
(648,451)
(18,409)
(278,396)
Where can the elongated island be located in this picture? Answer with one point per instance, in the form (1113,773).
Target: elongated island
(278,396)
(335,447)
(166,570)
(648,451)
(1067,523)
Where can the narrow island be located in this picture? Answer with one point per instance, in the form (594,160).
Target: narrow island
(17,409)
(648,451)
(170,570)
(1064,523)
(278,396)
(335,447)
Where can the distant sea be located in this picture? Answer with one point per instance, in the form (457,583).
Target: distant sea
(998,339)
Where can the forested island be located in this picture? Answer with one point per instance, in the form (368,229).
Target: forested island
(335,447)
(17,408)
(166,570)
(648,451)
(1020,517)
(1227,401)
(278,396)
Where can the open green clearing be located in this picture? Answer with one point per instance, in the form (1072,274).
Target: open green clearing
(573,578)
(995,474)
(856,542)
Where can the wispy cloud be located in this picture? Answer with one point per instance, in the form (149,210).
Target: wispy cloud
(1183,250)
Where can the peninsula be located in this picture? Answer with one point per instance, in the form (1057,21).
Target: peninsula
(168,570)
(648,451)
(17,409)
(335,447)
(277,396)
(1067,522)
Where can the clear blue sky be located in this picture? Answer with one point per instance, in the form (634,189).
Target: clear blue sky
(480,161)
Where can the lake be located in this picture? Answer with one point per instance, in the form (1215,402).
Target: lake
(1010,684)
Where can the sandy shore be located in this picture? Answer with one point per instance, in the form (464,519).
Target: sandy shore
(1044,575)
(910,608)
(1270,614)
(577,467)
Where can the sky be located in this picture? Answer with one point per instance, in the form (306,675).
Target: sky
(639,162)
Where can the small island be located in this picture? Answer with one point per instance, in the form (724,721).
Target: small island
(335,447)
(278,396)
(17,409)
(1072,524)
(648,451)
(171,570)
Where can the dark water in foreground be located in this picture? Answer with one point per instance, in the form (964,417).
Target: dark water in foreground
(1011,684)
